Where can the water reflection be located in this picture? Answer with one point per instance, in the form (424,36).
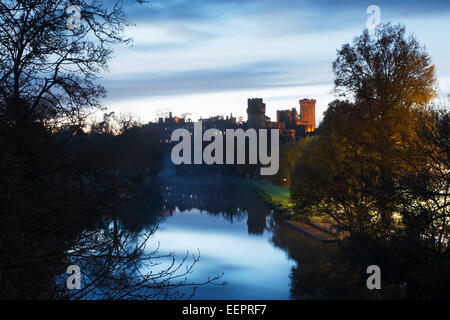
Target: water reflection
(223,225)
(228,198)
(238,235)
(320,272)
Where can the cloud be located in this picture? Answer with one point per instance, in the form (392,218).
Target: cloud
(208,47)
(314,14)
(259,75)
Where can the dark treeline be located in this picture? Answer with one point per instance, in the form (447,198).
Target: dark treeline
(55,186)
(63,180)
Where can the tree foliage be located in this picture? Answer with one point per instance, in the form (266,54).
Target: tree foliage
(48,70)
(62,186)
(380,166)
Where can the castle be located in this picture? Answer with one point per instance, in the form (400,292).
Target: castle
(256,112)
(288,121)
(288,117)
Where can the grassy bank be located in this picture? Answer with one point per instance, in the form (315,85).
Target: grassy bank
(278,198)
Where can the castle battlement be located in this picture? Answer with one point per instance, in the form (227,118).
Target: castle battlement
(308,101)
(256,105)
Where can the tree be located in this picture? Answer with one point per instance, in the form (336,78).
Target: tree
(58,186)
(389,69)
(289,153)
(48,70)
(380,166)
(387,76)
(424,191)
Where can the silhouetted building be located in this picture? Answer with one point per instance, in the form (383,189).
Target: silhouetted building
(169,124)
(256,112)
(219,122)
(289,123)
(288,118)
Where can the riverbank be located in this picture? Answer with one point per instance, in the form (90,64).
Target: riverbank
(312,231)
(279,200)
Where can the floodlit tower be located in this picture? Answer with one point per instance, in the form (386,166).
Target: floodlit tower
(308,114)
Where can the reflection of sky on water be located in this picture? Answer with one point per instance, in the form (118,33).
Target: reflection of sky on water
(253,268)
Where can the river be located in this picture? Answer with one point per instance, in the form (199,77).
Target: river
(233,233)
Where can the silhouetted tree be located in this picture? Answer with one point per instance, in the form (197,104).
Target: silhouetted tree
(59,183)
(48,70)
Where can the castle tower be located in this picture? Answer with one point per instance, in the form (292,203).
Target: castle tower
(256,112)
(308,114)
(288,117)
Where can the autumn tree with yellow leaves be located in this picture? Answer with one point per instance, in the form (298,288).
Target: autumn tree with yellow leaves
(380,167)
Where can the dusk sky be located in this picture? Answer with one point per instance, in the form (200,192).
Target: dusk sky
(207,57)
